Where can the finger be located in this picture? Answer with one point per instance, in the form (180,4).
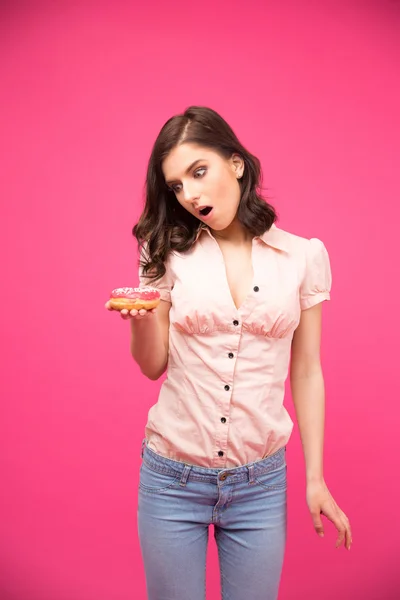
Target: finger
(347,543)
(108,305)
(124,314)
(142,312)
(344,529)
(341,526)
(133,312)
(341,536)
(318,525)
(349,537)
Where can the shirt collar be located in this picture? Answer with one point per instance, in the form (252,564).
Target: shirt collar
(274,237)
(200,230)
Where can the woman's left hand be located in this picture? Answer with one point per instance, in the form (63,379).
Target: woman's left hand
(320,502)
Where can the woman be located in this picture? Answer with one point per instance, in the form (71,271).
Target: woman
(240,298)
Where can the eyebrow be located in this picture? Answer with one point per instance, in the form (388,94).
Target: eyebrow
(190,167)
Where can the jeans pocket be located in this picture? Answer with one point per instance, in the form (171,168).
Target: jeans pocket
(273,480)
(154,482)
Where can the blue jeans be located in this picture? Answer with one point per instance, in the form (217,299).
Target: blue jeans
(247,506)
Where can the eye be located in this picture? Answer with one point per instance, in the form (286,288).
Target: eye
(200,172)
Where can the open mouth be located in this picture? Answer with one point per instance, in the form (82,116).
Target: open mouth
(205,211)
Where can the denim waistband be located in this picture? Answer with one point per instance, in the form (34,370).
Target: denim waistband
(186,472)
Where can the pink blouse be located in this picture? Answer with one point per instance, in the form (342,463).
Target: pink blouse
(221,404)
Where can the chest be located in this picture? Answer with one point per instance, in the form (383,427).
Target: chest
(217,289)
(238,271)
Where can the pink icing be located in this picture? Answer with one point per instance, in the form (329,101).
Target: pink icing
(146,293)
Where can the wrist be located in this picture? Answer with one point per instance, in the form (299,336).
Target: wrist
(313,478)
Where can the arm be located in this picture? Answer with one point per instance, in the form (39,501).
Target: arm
(307,385)
(149,340)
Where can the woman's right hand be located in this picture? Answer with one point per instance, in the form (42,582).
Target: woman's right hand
(133,314)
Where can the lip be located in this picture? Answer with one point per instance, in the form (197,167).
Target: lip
(205,217)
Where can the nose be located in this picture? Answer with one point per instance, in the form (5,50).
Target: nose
(189,194)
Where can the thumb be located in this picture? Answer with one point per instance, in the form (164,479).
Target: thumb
(319,528)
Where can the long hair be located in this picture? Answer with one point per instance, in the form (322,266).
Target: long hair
(165,225)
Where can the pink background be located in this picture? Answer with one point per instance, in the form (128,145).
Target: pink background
(313,90)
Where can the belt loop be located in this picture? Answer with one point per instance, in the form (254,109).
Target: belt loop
(142,448)
(251,474)
(185,475)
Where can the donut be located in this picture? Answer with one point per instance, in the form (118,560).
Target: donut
(134,298)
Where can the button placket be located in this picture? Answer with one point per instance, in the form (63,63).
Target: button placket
(223,428)
(223,437)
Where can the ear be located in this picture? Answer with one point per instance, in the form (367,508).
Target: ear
(237,165)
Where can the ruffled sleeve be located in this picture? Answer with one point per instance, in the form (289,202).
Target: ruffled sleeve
(317,281)
(163,285)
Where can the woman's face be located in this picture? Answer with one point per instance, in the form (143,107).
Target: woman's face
(204,183)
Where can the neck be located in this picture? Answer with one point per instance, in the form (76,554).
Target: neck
(235,233)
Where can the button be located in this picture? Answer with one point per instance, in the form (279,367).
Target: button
(230,354)
(256,288)
(223,476)
(220,453)
(236,323)
(227,388)
(223,420)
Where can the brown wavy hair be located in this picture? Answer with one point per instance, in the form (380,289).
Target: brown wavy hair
(165,225)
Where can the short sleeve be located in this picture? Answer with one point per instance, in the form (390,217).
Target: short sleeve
(317,281)
(163,285)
